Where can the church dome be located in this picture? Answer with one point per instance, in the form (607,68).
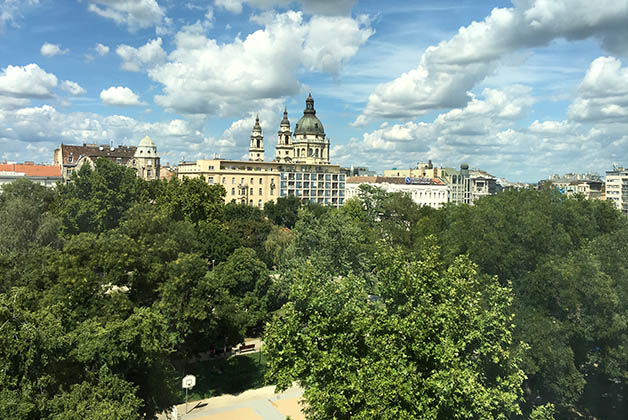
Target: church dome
(309,123)
(147,142)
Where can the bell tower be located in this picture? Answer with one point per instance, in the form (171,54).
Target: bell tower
(284,149)
(256,149)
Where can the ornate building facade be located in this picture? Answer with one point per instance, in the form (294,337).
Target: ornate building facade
(308,144)
(143,158)
(301,167)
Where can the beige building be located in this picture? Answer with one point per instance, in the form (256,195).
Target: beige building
(143,158)
(250,182)
(301,167)
(430,192)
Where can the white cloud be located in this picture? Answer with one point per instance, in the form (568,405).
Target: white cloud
(148,55)
(202,76)
(50,50)
(449,70)
(119,96)
(318,7)
(603,94)
(72,87)
(234,6)
(101,49)
(29,81)
(133,13)
(47,128)
(11,10)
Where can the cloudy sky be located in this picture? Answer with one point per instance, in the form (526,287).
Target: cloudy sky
(522,89)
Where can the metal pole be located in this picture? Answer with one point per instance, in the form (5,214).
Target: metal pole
(186,400)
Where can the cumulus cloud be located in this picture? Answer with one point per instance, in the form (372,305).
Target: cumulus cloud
(119,96)
(321,7)
(148,55)
(50,50)
(487,133)
(135,14)
(202,76)
(603,93)
(101,49)
(46,127)
(449,70)
(28,81)
(72,88)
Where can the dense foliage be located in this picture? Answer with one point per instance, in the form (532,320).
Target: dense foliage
(516,307)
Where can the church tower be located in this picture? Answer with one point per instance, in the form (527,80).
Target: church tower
(256,149)
(309,142)
(284,149)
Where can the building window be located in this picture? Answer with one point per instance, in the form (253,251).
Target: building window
(210,180)
(260,191)
(261,180)
(251,192)
(259,204)
(233,180)
(224,180)
(211,167)
(148,173)
(232,191)
(241,181)
(252,181)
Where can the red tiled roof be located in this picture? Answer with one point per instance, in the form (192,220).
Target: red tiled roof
(30,169)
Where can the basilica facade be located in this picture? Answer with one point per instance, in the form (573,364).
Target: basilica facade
(301,166)
(307,144)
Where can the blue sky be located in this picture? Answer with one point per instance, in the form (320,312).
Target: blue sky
(522,89)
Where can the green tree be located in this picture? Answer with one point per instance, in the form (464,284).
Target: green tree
(96,200)
(25,220)
(284,212)
(191,199)
(432,343)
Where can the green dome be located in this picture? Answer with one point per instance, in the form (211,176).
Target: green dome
(309,123)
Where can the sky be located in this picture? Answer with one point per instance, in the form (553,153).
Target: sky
(521,89)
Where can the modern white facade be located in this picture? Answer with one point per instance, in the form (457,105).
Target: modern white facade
(423,191)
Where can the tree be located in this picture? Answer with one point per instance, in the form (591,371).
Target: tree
(335,241)
(191,199)
(284,212)
(431,343)
(96,200)
(25,220)
(276,243)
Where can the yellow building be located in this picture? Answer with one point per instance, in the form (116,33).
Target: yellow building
(250,182)
(301,167)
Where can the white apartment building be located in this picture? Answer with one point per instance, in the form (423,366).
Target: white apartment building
(423,191)
(617,188)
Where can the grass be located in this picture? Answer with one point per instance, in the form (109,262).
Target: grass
(225,376)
